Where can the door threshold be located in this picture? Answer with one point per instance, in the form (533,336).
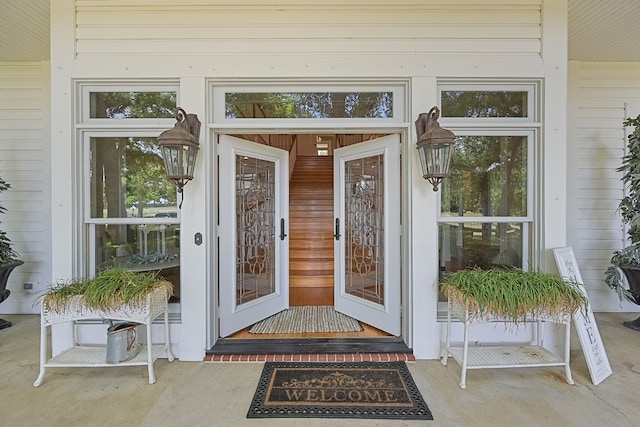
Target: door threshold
(322,358)
(309,346)
(367,332)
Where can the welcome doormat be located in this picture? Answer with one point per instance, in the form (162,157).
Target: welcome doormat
(306,319)
(380,390)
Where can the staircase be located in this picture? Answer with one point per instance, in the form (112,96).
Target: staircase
(311,231)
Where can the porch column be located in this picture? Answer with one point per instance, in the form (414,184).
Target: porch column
(196,215)
(424,235)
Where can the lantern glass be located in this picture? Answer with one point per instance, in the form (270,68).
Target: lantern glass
(179,160)
(434,159)
(434,147)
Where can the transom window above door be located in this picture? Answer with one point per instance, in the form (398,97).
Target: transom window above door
(308,105)
(373,103)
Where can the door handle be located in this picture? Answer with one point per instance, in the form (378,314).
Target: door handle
(282,235)
(337,235)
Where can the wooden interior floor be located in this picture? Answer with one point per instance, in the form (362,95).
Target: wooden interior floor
(367,332)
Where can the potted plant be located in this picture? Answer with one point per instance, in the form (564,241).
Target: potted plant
(114,294)
(8,259)
(627,260)
(513,294)
(109,290)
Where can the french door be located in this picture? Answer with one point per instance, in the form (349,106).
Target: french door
(254,247)
(367,232)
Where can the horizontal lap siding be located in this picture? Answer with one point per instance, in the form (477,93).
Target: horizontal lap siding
(136,28)
(595,228)
(24,163)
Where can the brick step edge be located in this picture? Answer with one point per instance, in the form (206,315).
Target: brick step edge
(324,357)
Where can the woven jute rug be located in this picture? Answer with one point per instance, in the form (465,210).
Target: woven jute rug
(379,390)
(306,319)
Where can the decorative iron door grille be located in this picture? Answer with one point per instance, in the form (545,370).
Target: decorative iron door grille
(256,228)
(364,228)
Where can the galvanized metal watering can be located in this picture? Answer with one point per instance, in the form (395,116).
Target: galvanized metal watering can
(122,342)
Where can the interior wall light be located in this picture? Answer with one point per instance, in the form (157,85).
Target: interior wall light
(179,148)
(434,145)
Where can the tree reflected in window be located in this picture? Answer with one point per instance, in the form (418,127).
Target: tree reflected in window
(128,178)
(488,177)
(308,105)
(132,105)
(475,104)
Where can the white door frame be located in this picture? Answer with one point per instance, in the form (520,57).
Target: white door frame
(333,128)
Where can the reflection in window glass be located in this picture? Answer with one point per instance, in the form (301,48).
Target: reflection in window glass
(456,103)
(140,247)
(482,245)
(128,179)
(309,105)
(132,105)
(488,177)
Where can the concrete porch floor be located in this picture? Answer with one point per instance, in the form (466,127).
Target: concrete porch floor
(219,394)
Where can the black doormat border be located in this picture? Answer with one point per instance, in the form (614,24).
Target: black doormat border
(414,408)
(309,346)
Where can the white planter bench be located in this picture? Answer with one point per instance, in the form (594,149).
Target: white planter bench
(154,305)
(503,356)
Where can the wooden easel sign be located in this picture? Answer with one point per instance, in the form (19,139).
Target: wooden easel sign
(590,339)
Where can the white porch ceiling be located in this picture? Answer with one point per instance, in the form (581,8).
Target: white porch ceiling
(24,30)
(604,30)
(599,30)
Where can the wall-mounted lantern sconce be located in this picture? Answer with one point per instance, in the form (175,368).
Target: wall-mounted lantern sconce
(179,148)
(434,147)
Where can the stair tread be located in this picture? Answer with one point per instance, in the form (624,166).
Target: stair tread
(311,225)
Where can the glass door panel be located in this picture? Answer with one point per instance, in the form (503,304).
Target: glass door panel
(256,228)
(254,247)
(364,228)
(367,235)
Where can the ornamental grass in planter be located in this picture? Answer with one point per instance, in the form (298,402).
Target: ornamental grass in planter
(513,294)
(108,290)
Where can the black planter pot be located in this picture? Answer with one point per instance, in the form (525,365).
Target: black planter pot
(5,271)
(632,274)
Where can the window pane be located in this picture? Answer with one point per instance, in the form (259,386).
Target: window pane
(128,179)
(488,177)
(255,229)
(140,247)
(132,105)
(482,245)
(309,105)
(504,103)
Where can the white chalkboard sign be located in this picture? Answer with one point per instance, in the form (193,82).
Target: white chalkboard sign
(592,346)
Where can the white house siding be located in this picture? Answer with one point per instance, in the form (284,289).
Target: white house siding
(293,27)
(195,41)
(25,164)
(602,96)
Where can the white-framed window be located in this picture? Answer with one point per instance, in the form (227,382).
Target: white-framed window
(487,216)
(489,103)
(270,103)
(139,103)
(129,208)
